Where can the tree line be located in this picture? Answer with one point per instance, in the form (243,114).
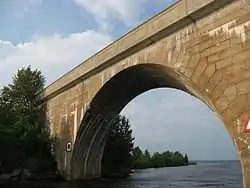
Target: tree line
(120,155)
(166,159)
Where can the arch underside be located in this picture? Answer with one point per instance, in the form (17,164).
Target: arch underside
(109,102)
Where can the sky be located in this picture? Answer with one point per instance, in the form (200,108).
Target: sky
(55,36)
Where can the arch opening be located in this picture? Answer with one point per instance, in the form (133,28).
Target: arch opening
(169,118)
(109,102)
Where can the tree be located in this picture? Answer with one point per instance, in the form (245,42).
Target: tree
(143,159)
(136,152)
(24,90)
(6,110)
(157,160)
(147,155)
(120,154)
(20,128)
(119,146)
(186,159)
(19,101)
(147,158)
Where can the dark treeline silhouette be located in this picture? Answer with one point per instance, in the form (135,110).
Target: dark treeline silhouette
(117,159)
(120,155)
(166,159)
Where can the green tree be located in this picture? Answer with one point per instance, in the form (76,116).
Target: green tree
(119,146)
(119,155)
(147,158)
(136,152)
(142,161)
(6,109)
(24,139)
(20,99)
(147,155)
(157,160)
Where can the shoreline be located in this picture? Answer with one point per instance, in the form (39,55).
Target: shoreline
(8,178)
(120,175)
(189,164)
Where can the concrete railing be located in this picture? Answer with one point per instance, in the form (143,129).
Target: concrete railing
(161,25)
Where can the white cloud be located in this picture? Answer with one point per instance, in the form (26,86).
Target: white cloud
(127,11)
(54,55)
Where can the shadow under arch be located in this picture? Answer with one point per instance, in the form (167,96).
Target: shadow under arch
(113,96)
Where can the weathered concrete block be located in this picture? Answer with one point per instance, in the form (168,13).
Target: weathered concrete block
(198,46)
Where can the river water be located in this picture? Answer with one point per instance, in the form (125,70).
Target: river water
(205,174)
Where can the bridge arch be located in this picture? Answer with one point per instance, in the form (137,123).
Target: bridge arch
(114,95)
(199,47)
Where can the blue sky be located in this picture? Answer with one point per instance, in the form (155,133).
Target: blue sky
(55,36)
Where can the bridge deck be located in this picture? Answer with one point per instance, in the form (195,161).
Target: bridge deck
(173,18)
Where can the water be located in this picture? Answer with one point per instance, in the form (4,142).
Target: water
(206,174)
(210,174)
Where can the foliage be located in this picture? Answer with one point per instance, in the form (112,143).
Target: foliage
(120,155)
(136,152)
(18,101)
(24,141)
(117,153)
(165,159)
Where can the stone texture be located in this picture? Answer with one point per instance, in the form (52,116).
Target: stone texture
(208,58)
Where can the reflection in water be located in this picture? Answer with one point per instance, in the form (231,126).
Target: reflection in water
(206,174)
